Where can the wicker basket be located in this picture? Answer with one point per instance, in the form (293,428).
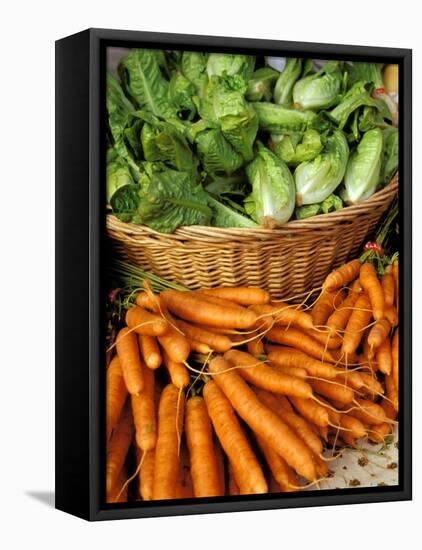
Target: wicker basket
(286,261)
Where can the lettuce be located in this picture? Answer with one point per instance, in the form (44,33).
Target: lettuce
(194,68)
(181,91)
(224,216)
(320,90)
(298,148)
(330,204)
(284,85)
(216,153)
(390,155)
(225,64)
(281,120)
(260,86)
(272,200)
(317,179)
(363,169)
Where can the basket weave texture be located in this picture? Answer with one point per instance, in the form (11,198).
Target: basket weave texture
(286,261)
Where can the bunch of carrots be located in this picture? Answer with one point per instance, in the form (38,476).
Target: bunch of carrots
(224,392)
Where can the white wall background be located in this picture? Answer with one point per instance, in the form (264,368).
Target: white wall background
(28,31)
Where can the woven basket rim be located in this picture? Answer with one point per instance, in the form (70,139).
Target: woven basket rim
(319,222)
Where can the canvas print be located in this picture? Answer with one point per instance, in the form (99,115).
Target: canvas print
(252,338)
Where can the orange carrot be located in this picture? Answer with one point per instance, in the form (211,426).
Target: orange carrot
(233,487)
(368,412)
(143,299)
(325,305)
(390,411)
(146,475)
(396,282)
(204,467)
(144,322)
(352,379)
(391,315)
(354,426)
(337,321)
(337,391)
(384,358)
(244,296)
(291,371)
(280,406)
(170,422)
(217,300)
(289,357)
(116,393)
(370,283)
(266,377)
(175,345)
(217,342)
(118,446)
(220,463)
(116,494)
(192,307)
(199,347)
(327,338)
(357,323)
(285,314)
(144,414)
(395,358)
(391,391)
(262,420)
(378,333)
(256,347)
(130,362)
(371,385)
(388,286)
(279,467)
(378,433)
(301,341)
(179,374)
(311,411)
(184,486)
(233,439)
(342,276)
(150,351)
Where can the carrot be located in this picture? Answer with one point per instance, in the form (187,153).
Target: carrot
(358,321)
(371,384)
(325,305)
(118,446)
(301,341)
(280,406)
(311,411)
(378,433)
(233,439)
(116,494)
(338,319)
(289,314)
(146,475)
(384,358)
(391,391)
(179,374)
(338,392)
(289,357)
(342,276)
(199,347)
(327,338)
(232,483)
(368,412)
(354,426)
(264,376)
(256,347)
(116,393)
(391,315)
(262,420)
(291,371)
(184,486)
(388,286)
(390,411)
(144,414)
(273,486)
(204,467)
(144,322)
(278,466)
(395,358)
(220,463)
(130,362)
(175,345)
(150,351)
(170,422)
(217,342)
(396,282)
(143,299)
(192,307)
(217,300)
(352,379)
(378,333)
(244,296)
(370,283)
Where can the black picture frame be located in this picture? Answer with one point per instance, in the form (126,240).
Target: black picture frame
(80,289)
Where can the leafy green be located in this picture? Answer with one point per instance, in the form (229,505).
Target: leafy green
(281,120)
(390,158)
(144,83)
(320,90)
(273,189)
(366,72)
(224,216)
(181,91)
(227,64)
(260,86)
(216,153)
(122,192)
(330,204)
(194,67)
(317,179)
(363,169)
(298,148)
(170,199)
(284,85)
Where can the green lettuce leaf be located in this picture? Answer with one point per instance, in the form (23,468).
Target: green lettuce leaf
(261,85)
(317,179)
(144,83)
(320,90)
(283,90)
(194,68)
(225,64)
(294,150)
(224,216)
(366,72)
(363,169)
(281,120)
(330,204)
(216,153)
(181,91)
(390,158)
(273,189)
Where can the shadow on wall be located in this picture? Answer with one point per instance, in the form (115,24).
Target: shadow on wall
(45,497)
